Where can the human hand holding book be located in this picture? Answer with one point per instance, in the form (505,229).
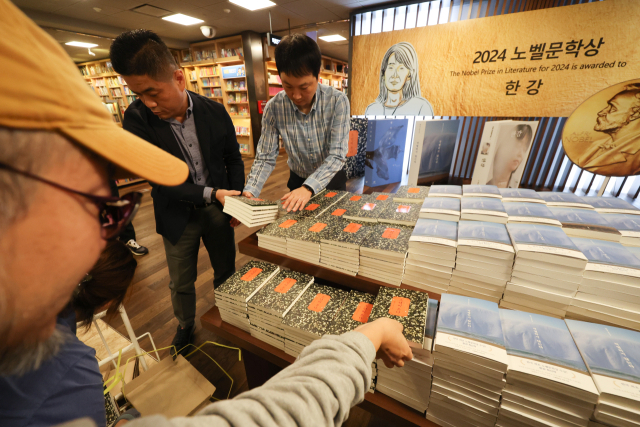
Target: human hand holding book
(386,335)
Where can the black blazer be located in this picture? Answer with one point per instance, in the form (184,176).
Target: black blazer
(220,152)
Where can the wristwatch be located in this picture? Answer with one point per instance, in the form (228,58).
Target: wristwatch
(213,194)
(309,188)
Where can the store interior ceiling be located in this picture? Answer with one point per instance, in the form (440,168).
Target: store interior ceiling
(99,21)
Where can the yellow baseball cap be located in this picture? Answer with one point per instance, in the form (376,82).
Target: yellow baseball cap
(42,89)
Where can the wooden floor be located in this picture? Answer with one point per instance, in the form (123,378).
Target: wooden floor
(149,303)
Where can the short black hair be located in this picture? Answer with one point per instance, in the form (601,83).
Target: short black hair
(142,52)
(298,55)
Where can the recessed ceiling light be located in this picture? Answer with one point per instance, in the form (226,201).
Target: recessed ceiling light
(181,19)
(81,44)
(332,38)
(253,4)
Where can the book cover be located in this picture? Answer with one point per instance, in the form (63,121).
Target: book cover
(395,213)
(608,257)
(480,191)
(407,307)
(347,232)
(530,212)
(282,227)
(281,291)
(388,147)
(386,237)
(582,219)
(626,224)
(611,205)
(435,231)
(520,195)
(482,205)
(315,309)
(354,166)
(381,197)
(248,279)
(445,191)
(542,238)
(553,198)
(434,144)
(315,230)
(432,321)
(448,205)
(355,311)
(367,209)
(490,235)
(412,192)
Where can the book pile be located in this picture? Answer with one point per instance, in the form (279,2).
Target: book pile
(408,194)
(627,225)
(252,212)
(611,205)
(340,246)
(400,213)
(547,271)
(454,191)
(233,294)
(431,255)
(304,242)
(271,304)
(470,363)
(310,316)
(530,213)
(365,208)
(564,200)
(316,206)
(612,357)
(547,381)
(585,223)
(484,260)
(481,191)
(445,208)
(610,287)
(482,209)
(520,195)
(383,253)
(274,236)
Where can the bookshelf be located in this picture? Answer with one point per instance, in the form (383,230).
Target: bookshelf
(332,73)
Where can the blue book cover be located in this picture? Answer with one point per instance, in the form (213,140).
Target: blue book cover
(579,216)
(386,146)
(540,235)
(609,351)
(483,231)
(610,203)
(472,190)
(559,197)
(634,250)
(437,147)
(605,252)
(472,318)
(623,222)
(432,317)
(449,190)
(482,204)
(542,338)
(530,210)
(428,230)
(520,194)
(441,203)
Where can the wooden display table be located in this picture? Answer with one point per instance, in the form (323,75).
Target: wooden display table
(262,360)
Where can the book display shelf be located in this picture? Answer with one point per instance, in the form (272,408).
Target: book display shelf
(332,73)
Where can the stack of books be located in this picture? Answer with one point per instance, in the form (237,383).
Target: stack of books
(454,191)
(611,205)
(252,212)
(381,197)
(547,271)
(445,208)
(530,213)
(383,253)
(431,255)
(482,209)
(310,317)
(367,208)
(271,304)
(563,200)
(340,246)
(520,195)
(627,225)
(408,194)
(470,363)
(548,383)
(610,288)
(232,296)
(481,191)
(585,223)
(400,213)
(611,355)
(484,260)
(304,242)
(316,206)
(274,236)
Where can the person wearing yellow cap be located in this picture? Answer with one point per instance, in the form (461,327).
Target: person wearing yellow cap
(58,150)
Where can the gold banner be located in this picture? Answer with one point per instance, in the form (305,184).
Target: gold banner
(541,63)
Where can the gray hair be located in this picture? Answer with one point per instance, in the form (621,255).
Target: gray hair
(27,357)
(407,56)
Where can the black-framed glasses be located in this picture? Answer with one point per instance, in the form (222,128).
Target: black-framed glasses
(115,212)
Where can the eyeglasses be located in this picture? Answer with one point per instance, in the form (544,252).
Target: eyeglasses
(115,212)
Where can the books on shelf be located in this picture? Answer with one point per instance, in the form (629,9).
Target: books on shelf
(340,246)
(274,235)
(365,208)
(530,213)
(401,213)
(205,55)
(454,191)
(434,142)
(482,209)
(627,225)
(355,311)
(563,200)
(520,195)
(585,223)
(445,208)
(227,53)
(252,212)
(411,194)
(304,242)
(481,191)
(383,253)
(611,205)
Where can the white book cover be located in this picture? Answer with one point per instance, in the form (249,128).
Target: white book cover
(611,205)
(445,191)
(608,257)
(502,156)
(480,191)
(569,200)
(520,195)
(434,143)
(483,234)
(628,225)
(445,205)
(543,239)
(435,231)
(482,206)
(530,212)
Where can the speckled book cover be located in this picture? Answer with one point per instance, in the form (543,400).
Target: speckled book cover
(315,309)
(368,209)
(253,201)
(381,197)
(355,311)
(281,292)
(387,237)
(400,212)
(244,282)
(282,227)
(407,307)
(345,231)
(315,229)
(311,210)
(418,193)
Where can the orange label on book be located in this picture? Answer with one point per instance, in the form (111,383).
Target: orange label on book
(288,223)
(353,143)
(317,227)
(368,206)
(382,197)
(319,303)
(285,285)
(312,207)
(352,228)
(332,194)
(355,198)
(256,199)
(338,212)
(403,209)
(413,190)
(391,233)
(251,274)
(362,312)
(399,306)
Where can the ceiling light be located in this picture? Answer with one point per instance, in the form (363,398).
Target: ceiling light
(253,4)
(181,19)
(81,44)
(332,38)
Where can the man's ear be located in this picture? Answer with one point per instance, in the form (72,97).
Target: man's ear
(178,77)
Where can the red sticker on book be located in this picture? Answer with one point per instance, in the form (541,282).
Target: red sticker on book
(251,274)
(399,306)
(317,227)
(413,190)
(353,143)
(352,228)
(362,312)
(355,198)
(319,303)
(332,194)
(368,206)
(288,223)
(403,209)
(256,199)
(382,197)
(391,233)
(338,212)
(285,285)
(312,207)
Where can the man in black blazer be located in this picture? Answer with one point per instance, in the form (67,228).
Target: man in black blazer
(200,132)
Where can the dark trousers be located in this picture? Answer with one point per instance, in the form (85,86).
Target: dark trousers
(129,233)
(338,182)
(212,226)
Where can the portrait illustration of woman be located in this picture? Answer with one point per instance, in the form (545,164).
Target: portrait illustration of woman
(400,85)
(510,157)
